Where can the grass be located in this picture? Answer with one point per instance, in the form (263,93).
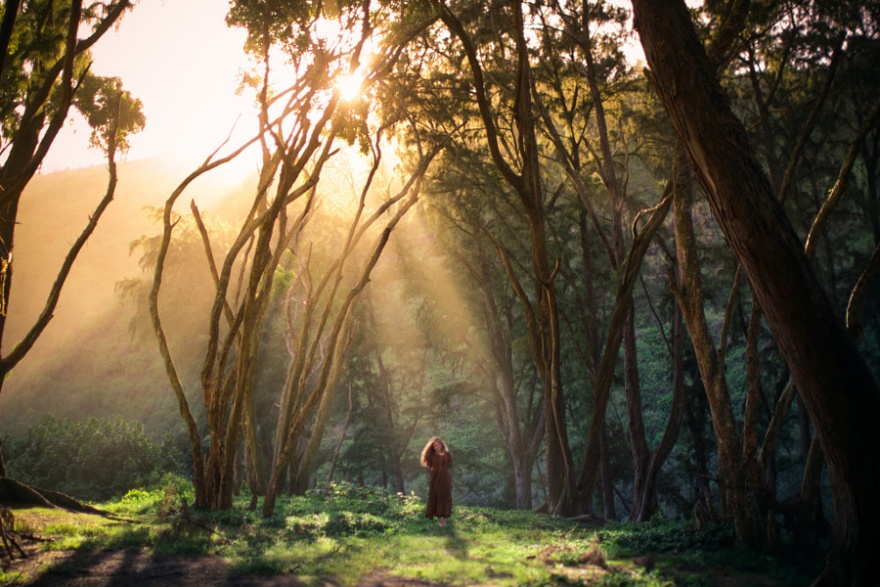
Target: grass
(346,533)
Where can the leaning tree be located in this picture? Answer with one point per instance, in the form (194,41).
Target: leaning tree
(830,374)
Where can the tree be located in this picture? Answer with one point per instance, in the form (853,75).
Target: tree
(833,379)
(582,52)
(736,493)
(45,72)
(525,180)
(514,393)
(298,128)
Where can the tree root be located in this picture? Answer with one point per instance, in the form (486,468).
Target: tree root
(19,494)
(16,493)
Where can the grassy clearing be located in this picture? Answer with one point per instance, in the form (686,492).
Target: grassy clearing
(346,533)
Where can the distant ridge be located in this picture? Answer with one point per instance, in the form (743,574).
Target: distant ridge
(54,210)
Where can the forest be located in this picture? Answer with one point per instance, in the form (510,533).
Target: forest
(622,257)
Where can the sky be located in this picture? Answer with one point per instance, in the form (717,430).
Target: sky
(182,61)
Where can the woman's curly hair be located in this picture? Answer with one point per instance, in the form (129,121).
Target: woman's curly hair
(429,448)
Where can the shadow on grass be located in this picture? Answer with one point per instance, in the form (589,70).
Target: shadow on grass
(456,544)
(129,567)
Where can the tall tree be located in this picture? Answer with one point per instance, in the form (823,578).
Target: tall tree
(736,493)
(298,128)
(517,403)
(524,177)
(833,379)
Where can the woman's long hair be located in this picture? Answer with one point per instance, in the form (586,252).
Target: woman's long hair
(429,448)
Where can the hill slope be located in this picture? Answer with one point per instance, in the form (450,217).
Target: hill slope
(86,355)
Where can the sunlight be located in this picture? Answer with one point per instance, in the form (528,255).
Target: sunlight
(338,38)
(350,86)
(344,176)
(201,64)
(428,272)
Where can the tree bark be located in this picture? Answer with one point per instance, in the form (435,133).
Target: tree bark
(648,501)
(10,13)
(614,338)
(304,467)
(388,409)
(735,492)
(832,377)
(640,453)
(339,314)
(542,311)
(608,510)
(51,84)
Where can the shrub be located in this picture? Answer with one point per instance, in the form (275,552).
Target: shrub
(92,458)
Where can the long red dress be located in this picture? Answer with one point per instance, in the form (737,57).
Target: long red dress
(440,486)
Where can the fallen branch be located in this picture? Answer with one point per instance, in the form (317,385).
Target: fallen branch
(16,493)
(7,525)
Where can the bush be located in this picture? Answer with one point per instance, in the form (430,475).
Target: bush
(670,536)
(91,459)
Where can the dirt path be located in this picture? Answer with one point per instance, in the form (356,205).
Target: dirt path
(124,568)
(135,567)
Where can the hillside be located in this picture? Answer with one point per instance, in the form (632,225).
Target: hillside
(91,326)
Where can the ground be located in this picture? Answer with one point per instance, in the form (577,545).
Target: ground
(354,540)
(123,568)
(136,567)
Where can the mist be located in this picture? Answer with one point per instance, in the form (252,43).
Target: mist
(97,357)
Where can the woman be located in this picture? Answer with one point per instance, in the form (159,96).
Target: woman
(436,457)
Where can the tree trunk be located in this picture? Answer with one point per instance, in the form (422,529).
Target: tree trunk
(735,491)
(640,453)
(832,377)
(607,480)
(388,409)
(635,421)
(542,311)
(342,436)
(614,338)
(648,502)
(751,412)
(522,475)
(702,493)
(306,463)
(256,476)
(807,516)
(518,441)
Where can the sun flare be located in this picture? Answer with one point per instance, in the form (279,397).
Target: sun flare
(350,86)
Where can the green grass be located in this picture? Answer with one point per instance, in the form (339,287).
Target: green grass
(346,533)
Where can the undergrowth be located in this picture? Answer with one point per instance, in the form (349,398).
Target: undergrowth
(344,533)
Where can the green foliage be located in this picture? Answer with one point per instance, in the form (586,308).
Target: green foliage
(441,390)
(91,458)
(671,536)
(680,548)
(36,44)
(31,83)
(11,578)
(343,509)
(158,497)
(342,533)
(112,113)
